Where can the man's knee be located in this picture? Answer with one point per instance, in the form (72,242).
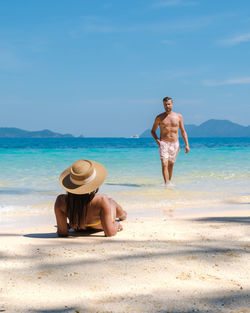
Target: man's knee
(170,164)
(164,163)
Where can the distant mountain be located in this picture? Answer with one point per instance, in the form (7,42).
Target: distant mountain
(12,132)
(213,128)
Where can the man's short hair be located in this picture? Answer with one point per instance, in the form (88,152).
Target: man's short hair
(167,98)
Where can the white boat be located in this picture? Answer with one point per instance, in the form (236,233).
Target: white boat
(134,136)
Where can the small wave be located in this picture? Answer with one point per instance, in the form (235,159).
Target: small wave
(239,200)
(16,191)
(5,183)
(220,175)
(45,207)
(23,191)
(130,184)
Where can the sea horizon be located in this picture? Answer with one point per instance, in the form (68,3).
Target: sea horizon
(211,128)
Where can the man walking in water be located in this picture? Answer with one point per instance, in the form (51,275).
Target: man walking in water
(169,147)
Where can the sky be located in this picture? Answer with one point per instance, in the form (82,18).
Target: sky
(100,68)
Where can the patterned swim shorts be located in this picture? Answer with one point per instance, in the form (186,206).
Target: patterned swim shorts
(169,150)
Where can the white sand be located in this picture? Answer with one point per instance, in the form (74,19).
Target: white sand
(153,265)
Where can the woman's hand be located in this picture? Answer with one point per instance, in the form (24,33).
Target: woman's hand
(123,216)
(118,226)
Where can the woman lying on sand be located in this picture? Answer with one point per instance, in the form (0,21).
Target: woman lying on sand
(82,206)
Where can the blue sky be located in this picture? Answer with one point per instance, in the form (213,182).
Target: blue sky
(101,68)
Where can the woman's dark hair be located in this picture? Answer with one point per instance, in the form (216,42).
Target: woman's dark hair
(77,207)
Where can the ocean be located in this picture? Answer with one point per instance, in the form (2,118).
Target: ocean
(215,175)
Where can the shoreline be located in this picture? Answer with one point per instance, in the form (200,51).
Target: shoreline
(24,220)
(148,267)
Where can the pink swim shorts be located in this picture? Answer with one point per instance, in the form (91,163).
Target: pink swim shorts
(169,150)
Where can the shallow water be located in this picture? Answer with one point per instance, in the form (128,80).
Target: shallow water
(215,172)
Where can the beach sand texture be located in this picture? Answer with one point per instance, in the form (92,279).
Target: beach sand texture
(156,264)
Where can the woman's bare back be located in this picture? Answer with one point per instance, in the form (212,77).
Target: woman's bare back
(101,214)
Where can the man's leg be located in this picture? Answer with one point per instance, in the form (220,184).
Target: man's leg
(164,167)
(170,169)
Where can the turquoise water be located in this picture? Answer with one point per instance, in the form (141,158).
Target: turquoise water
(216,170)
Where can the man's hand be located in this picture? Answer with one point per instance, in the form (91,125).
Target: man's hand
(158,142)
(187,149)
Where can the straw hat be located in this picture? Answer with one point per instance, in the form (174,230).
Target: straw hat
(83,176)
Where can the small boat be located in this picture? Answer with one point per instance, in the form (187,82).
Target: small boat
(135,136)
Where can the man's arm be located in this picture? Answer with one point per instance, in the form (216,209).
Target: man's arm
(153,130)
(184,134)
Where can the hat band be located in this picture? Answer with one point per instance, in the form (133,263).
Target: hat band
(83,181)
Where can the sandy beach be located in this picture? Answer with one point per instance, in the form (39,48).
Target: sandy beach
(199,263)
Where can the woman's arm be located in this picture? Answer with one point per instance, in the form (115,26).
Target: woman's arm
(110,227)
(61,218)
(119,212)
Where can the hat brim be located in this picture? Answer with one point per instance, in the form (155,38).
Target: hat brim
(65,182)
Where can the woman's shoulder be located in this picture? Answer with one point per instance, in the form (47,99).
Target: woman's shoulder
(61,200)
(100,199)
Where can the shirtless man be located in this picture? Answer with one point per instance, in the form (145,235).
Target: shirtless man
(169,147)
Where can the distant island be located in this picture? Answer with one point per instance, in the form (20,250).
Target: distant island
(12,132)
(212,128)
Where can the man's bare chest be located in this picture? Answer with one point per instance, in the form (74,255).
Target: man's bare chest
(169,121)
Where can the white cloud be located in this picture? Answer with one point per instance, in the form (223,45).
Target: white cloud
(96,25)
(171,3)
(232,81)
(236,40)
